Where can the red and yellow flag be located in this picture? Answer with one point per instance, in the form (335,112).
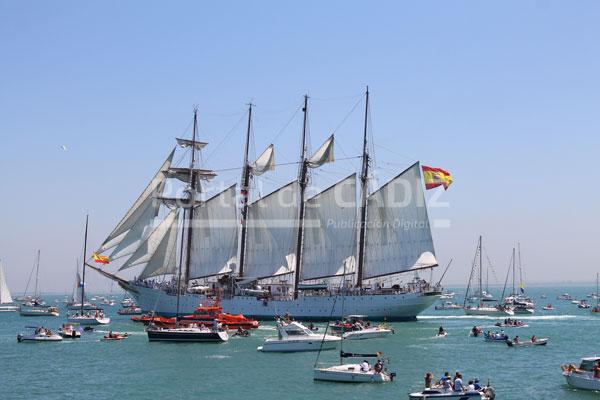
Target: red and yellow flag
(435,177)
(100,259)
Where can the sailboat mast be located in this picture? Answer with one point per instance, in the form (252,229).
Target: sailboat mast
(244,194)
(520,267)
(85,235)
(597,292)
(513,273)
(37,275)
(192,198)
(480,272)
(302,182)
(364,188)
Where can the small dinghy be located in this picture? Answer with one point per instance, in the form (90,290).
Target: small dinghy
(511,323)
(355,373)
(115,336)
(549,307)
(527,343)
(294,337)
(40,334)
(582,377)
(495,337)
(68,331)
(487,393)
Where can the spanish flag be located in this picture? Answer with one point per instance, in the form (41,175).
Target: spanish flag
(100,259)
(435,177)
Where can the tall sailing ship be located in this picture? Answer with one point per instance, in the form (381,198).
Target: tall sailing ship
(284,252)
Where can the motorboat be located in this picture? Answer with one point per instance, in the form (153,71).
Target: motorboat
(368,333)
(355,373)
(354,327)
(115,336)
(448,305)
(188,333)
(543,296)
(68,331)
(132,310)
(548,307)
(564,296)
(495,336)
(35,309)
(511,323)
(127,302)
(295,337)
(582,377)
(206,314)
(527,343)
(523,310)
(40,334)
(447,295)
(92,317)
(487,393)
(583,304)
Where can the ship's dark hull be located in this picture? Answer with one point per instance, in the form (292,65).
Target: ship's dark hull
(170,336)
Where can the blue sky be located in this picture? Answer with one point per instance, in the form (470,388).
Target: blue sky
(505,95)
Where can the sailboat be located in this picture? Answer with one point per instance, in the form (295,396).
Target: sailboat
(87,316)
(76,302)
(36,306)
(519,302)
(261,267)
(596,310)
(5,297)
(476,271)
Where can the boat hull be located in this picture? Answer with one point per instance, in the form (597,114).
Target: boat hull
(38,312)
(174,336)
(390,307)
(584,381)
(350,373)
(38,338)
(89,321)
(435,394)
(8,308)
(368,333)
(290,346)
(487,311)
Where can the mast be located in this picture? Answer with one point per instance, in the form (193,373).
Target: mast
(513,273)
(364,188)
(480,272)
(192,200)
(520,268)
(597,293)
(37,275)
(244,194)
(302,182)
(84,252)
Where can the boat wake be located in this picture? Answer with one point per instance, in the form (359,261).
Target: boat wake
(489,318)
(217,357)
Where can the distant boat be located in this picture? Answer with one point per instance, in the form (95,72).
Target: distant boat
(5,297)
(564,296)
(40,334)
(36,307)
(295,337)
(596,309)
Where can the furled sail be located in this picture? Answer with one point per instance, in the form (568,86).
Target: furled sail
(145,200)
(215,239)
(188,143)
(5,296)
(323,155)
(265,162)
(271,234)
(330,231)
(149,248)
(398,236)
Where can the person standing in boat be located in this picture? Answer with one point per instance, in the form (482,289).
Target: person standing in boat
(458,383)
(428,380)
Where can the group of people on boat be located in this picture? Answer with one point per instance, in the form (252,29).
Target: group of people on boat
(510,322)
(40,330)
(456,384)
(377,367)
(573,368)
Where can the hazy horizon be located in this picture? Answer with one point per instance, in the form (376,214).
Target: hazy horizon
(503,95)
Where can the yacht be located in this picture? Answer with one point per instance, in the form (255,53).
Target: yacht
(582,377)
(293,337)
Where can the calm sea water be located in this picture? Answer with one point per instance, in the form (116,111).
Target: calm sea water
(135,369)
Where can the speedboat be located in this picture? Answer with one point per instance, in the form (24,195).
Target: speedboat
(68,331)
(495,337)
(583,304)
(368,333)
(127,302)
(90,318)
(133,310)
(115,336)
(188,333)
(40,334)
(549,307)
(35,309)
(487,393)
(355,373)
(527,343)
(582,377)
(293,337)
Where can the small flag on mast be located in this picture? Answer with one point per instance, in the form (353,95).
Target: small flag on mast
(435,177)
(100,259)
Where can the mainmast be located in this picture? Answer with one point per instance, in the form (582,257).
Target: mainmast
(84,253)
(192,198)
(302,182)
(244,194)
(364,188)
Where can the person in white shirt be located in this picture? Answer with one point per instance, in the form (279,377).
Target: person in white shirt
(364,366)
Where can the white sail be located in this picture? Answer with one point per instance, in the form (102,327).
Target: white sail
(271,233)
(265,162)
(77,289)
(330,231)
(145,200)
(164,259)
(215,239)
(149,246)
(398,235)
(323,155)
(134,236)
(5,296)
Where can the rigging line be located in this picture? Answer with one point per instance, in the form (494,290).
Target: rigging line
(279,164)
(393,152)
(347,115)
(205,159)
(287,124)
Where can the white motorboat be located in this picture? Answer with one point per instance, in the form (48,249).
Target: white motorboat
(68,331)
(368,333)
(5,297)
(41,334)
(486,393)
(447,296)
(582,377)
(89,318)
(189,333)
(36,310)
(294,337)
(355,373)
